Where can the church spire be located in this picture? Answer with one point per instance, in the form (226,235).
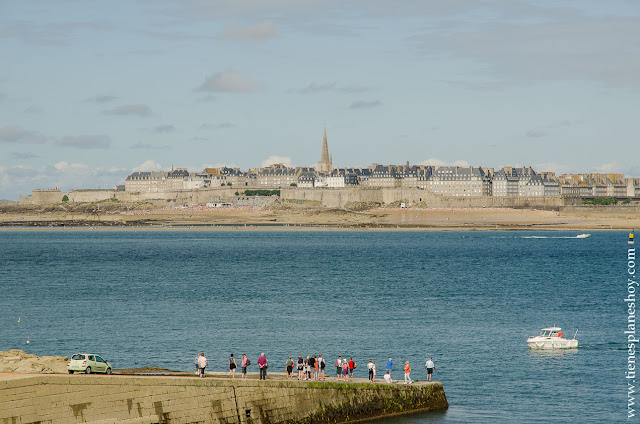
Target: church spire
(325,148)
(325,165)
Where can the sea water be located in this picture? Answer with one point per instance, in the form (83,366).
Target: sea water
(467,299)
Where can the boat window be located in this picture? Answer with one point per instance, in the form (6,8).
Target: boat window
(545,333)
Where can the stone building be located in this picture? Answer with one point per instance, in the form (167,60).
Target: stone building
(458,181)
(156,181)
(511,182)
(539,186)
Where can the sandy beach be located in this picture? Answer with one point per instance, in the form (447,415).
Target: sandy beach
(297,217)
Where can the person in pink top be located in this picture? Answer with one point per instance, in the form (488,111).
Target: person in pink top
(263,364)
(245,364)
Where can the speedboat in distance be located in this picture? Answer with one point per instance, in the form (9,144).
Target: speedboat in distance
(552,338)
(583,235)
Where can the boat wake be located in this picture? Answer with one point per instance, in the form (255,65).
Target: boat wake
(604,346)
(550,237)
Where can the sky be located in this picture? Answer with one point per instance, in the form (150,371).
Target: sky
(91,91)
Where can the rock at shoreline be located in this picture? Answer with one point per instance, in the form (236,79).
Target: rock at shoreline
(21,362)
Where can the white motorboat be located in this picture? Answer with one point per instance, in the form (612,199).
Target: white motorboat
(583,235)
(552,338)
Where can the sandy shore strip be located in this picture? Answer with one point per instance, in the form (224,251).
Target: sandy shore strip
(322,219)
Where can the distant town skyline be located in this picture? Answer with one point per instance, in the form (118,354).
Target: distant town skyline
(92,91)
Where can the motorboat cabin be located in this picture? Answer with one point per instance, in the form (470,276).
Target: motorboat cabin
(552,338)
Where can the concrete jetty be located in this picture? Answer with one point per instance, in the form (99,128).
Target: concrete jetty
(176,399)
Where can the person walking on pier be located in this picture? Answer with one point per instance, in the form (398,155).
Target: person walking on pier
(196,362)
(430,367)
(322,366)
(289,365)
(202,364)
(338,366)
(245,363)
(232,367)
(263,364)
(407,373)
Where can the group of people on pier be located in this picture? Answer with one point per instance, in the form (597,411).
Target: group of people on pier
(313,368)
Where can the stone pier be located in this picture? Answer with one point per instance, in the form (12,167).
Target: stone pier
(101,399)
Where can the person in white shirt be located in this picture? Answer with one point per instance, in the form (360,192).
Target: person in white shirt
(430,367)
(202,362)
(370,366)
(387,377)
(338,366)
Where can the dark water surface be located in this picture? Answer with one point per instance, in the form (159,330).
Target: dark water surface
(469,299)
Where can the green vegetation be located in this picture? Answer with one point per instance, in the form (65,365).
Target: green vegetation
(65,198)
(293,185)
(262,192)
(626,201)
(229,184)
(237,194)
(601,201)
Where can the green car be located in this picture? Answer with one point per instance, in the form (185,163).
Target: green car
(88,363)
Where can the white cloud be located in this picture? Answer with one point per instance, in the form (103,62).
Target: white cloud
(285,160)
(62,166)
(438,162)
(148,165)
(261,31)
(229,81)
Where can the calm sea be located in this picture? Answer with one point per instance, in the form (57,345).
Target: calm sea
(468,299)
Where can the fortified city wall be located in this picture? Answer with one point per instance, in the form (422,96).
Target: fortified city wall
(141,400)
(620,211)
(328,197)
(338,198)
(179,197)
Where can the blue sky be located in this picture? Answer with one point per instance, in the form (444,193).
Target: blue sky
(91,90)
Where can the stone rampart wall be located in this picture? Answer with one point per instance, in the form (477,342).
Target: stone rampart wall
(623,211)
(332,198)
(340,197)
(45,197)
(142,400)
